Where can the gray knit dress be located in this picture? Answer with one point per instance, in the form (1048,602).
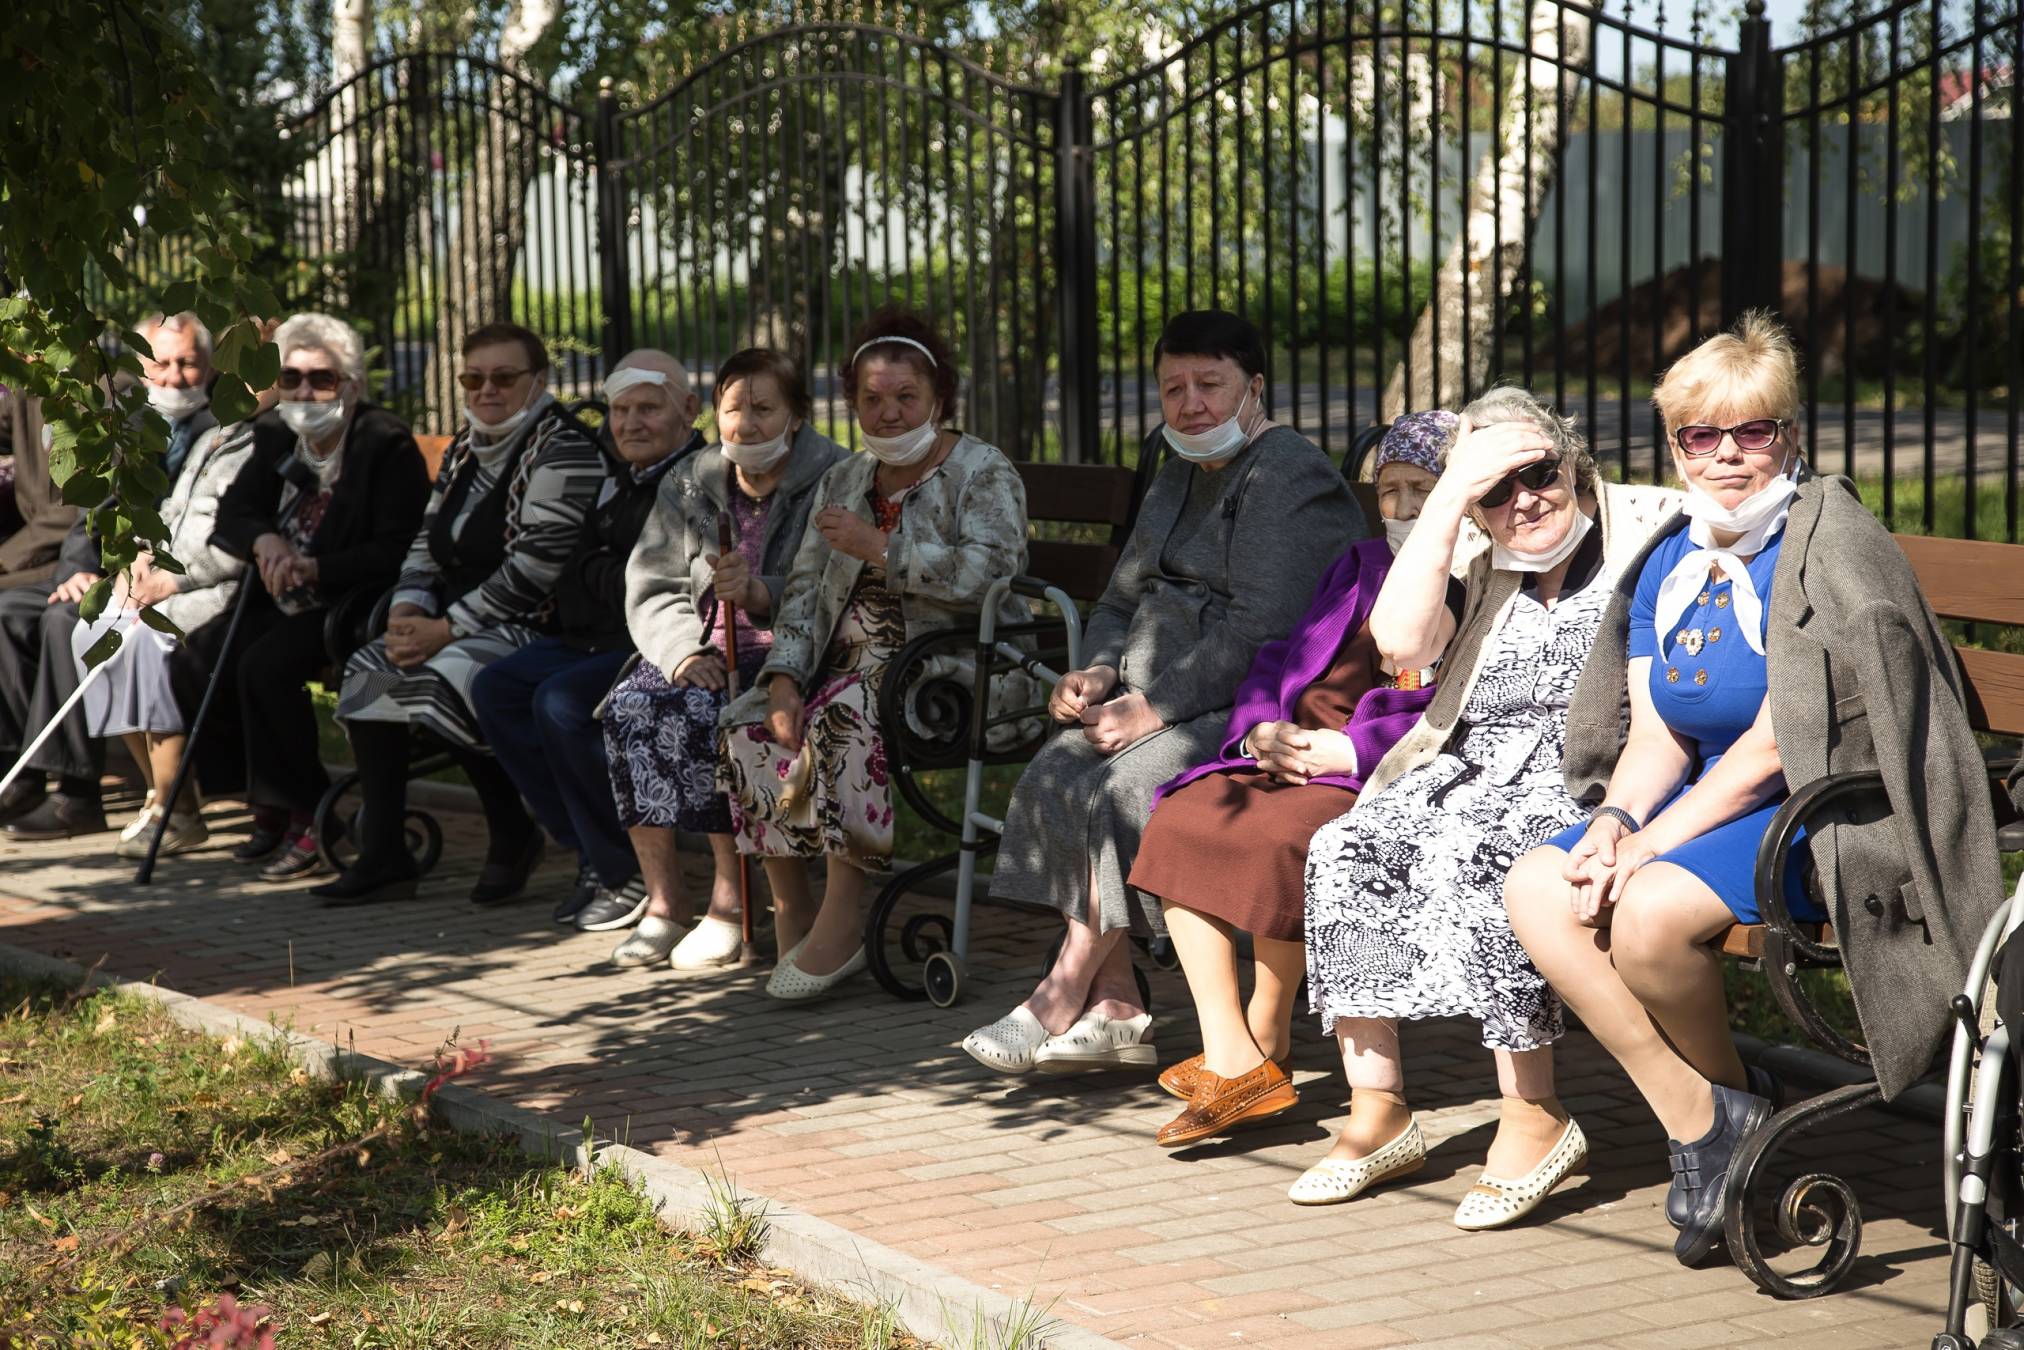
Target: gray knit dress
(1219,563)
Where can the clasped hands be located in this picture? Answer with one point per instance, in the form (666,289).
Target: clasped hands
(1079,696)
(282,569)
(1600,866)
(1295,754)
(413,636)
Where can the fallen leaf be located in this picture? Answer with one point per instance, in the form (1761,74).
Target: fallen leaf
(232,1046)
(67,1244)
(576,1305)
(105,1023)
(518,1242)
(317,1267)
(74,1102)
(38,1215)
(278,1156)
(15,1100)
(319,1319)
(653,1338)
(541,1277)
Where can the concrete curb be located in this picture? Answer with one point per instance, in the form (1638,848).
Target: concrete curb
(929,1302)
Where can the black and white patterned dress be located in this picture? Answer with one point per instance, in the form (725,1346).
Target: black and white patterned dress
(1405,909)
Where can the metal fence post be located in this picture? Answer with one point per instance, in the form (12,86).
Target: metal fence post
(614,273)
(1075,225)
(1753,172)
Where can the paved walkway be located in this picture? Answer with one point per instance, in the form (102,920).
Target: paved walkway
(863,1112)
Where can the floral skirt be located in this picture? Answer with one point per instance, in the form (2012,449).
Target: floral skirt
(660,740)
(833,797)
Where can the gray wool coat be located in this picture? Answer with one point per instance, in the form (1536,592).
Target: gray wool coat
(1862,678)
(1180,621)
(668,609)
(961,528)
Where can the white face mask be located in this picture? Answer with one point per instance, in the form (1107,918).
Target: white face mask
(177,404)
(909,447)
(313,422)
(505,426)
(760,456)
(1511,560)
(1395,532)
(1745,516)
(1217,443)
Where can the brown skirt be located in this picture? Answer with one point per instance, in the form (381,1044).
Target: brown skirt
(1233,845)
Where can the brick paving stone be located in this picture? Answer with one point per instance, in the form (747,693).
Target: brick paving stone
(864,1112)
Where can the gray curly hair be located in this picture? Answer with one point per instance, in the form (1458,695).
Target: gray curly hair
(1509,403)
(336,338)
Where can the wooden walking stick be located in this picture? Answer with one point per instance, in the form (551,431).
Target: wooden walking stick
(748,952)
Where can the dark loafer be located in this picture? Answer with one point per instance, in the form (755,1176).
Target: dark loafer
(1702,1169)
(499,882)
(361,887)
(261,844)
(571,905)
(60,817)
(1679,1203)
(23,795)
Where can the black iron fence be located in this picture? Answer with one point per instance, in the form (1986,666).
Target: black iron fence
(1416,198)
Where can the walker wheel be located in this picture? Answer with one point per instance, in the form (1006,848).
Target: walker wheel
(424,838)
(943,976)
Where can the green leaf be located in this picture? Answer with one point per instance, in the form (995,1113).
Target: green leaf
(178,296)
(99,651)
(231,401)
(160,622)
(93,604)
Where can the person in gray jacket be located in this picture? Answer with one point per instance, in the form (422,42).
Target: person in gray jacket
(1771,634)
(681,595)
(1233,534)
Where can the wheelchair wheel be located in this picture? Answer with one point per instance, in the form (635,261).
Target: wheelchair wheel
(1145,989)
(942,976)
(337,829)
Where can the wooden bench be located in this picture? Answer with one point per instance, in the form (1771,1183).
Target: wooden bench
(433,449)
(1973,582)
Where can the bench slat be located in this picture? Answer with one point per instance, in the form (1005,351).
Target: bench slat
(1083,570)
(1747,939)
(1082,494)
(1968,579)
(1995,689)
(433,449)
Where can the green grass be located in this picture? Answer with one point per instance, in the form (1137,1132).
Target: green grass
(111,1113)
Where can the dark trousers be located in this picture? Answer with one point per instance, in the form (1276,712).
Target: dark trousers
(278,655)
(535,707)
(221,751)
(37,673)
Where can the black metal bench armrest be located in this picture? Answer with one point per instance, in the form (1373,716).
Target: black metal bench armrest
(357,618)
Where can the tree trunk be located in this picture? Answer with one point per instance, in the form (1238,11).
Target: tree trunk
(1501,210)
(338,183)
(484,238)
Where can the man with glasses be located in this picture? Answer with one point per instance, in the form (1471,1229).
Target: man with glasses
(37,670)
(325,509)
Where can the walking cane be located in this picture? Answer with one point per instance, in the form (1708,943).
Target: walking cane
(748,952)
(303,479)
(76,697)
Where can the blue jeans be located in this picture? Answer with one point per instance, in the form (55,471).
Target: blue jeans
(535,707)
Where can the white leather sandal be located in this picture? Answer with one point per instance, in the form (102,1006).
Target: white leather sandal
(1098,1042)
(1495,1203)
(1007,1045)
(791,984)
(1333,1181)
(648,944)
(713,944)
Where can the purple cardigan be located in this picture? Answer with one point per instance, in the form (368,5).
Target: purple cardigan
(1282,670)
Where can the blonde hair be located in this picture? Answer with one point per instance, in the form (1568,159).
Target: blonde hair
(1751,370)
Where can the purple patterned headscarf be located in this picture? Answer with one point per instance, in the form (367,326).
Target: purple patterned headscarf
(1418,439)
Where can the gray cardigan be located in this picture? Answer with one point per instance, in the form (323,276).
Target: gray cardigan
(961,528)
(1181,620)
(666,574)
(211,575)
(1862,678)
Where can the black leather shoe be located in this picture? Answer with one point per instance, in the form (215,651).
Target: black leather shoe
(358,886)
(571,905)
(261,844)
(1679,1198)
(23,795)
(60,817)
(499,882)
(1702,1168)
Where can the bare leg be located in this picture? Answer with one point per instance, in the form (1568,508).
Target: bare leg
(724,885)
(1531,1117)
(136,743)
(1277,967)
(793,906)
(1577,961)
(839,925)
(1209,960)
(661,870)
(165,759)
(1377,1103)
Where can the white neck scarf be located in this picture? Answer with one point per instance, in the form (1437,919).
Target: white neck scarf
(1759,517)
(1511,560)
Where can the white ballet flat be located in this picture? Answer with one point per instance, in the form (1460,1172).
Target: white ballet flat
(713,944)
(1007,1045)
(791,984)
(648,944)
(1098,1042)
(1495,1203)
(1333,1181)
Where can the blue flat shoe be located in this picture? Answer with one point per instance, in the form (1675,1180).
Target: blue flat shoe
(1701,1170)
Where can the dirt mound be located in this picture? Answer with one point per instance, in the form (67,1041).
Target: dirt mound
(1684,311)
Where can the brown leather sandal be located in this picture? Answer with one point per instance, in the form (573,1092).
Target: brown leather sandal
(1178,1080)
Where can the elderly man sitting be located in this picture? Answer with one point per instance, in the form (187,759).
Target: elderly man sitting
(37,671)
(537,706)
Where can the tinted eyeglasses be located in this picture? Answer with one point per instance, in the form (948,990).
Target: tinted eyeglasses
(1533,478)
(322,381)
(1759,433)
(473,380)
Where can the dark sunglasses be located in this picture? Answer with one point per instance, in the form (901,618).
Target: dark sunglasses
(1759,433)
(322,381)
(499,379)
(1533,478)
